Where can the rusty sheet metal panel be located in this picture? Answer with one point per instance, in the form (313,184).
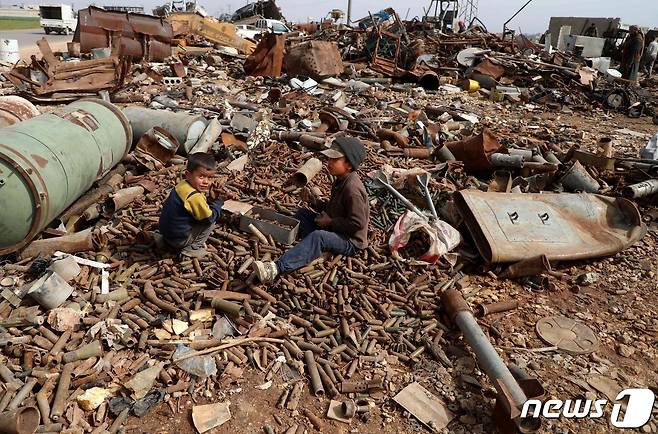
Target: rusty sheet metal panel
(316,59)
(267,59)
(511,227)
(139,36)
(474,151)
(185,24)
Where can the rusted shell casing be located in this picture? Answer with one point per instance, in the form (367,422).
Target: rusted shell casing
(24,420)
(312,368)
(420,153)
(304,174)
(121,199)
(228,307)
(528,267)
(501,306)
(47,162)
(92,349)
(14,109)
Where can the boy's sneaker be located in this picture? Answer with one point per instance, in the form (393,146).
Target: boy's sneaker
(265,271)
(195,253)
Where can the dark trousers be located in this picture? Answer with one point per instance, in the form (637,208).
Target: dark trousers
(315,241)
(196,239)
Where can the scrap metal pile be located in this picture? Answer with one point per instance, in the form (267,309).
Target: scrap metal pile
(98,322)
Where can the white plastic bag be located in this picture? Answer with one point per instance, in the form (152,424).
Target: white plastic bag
(443,237)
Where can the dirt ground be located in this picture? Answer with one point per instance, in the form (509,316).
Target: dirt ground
(620,305)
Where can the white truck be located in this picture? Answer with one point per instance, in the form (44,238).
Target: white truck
(57,17)
(261,26)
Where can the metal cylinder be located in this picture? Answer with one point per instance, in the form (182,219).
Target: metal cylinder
(501,306)
(47,162)
(444,154)
(420,153)
(312,368)
(14,109)
(21,421)
(504,160)
(228,307)
(642,189)
(22,394)
(486,354)
(578,180)
(186,128)
(304,174)
(92,349)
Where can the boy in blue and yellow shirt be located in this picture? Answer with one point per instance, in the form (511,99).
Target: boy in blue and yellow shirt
(187,219)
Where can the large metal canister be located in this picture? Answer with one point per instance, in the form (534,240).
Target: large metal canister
(186,128)
(49,161)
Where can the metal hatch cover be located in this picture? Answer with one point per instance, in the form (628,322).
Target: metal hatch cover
(509,227)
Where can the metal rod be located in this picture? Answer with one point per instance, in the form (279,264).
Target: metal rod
(514,16)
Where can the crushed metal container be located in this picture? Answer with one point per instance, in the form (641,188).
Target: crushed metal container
(139,36)
(48,161)
(510,227)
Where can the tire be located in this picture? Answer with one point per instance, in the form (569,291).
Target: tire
(47,30)
(66,31)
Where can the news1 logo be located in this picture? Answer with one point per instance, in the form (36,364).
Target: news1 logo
(638,409)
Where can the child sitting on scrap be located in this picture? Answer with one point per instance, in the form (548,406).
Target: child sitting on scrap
(187,219)
(341,226)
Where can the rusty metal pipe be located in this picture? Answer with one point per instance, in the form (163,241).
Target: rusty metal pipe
(62,392)
(312,369)
(392,136)
(501,306)
(151,296)
(92,349)
(306,173)
(22,394)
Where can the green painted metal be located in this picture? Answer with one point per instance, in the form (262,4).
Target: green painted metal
(49,161)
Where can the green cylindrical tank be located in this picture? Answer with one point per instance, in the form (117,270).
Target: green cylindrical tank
(49,161)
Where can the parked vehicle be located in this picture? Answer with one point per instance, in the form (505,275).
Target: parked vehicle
(248,32)
(274,26)
(58,17)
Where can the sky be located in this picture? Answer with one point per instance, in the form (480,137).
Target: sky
(493,13)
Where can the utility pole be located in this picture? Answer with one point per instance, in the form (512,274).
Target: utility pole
(349,12)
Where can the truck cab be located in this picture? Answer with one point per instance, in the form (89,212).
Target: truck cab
(275,26)
(57,17)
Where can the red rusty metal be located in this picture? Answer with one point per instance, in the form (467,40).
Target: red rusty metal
(316,59)
(267,58)
(474,151)
(15,109)
(136,35)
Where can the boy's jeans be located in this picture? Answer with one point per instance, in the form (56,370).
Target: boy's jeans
(315,241)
